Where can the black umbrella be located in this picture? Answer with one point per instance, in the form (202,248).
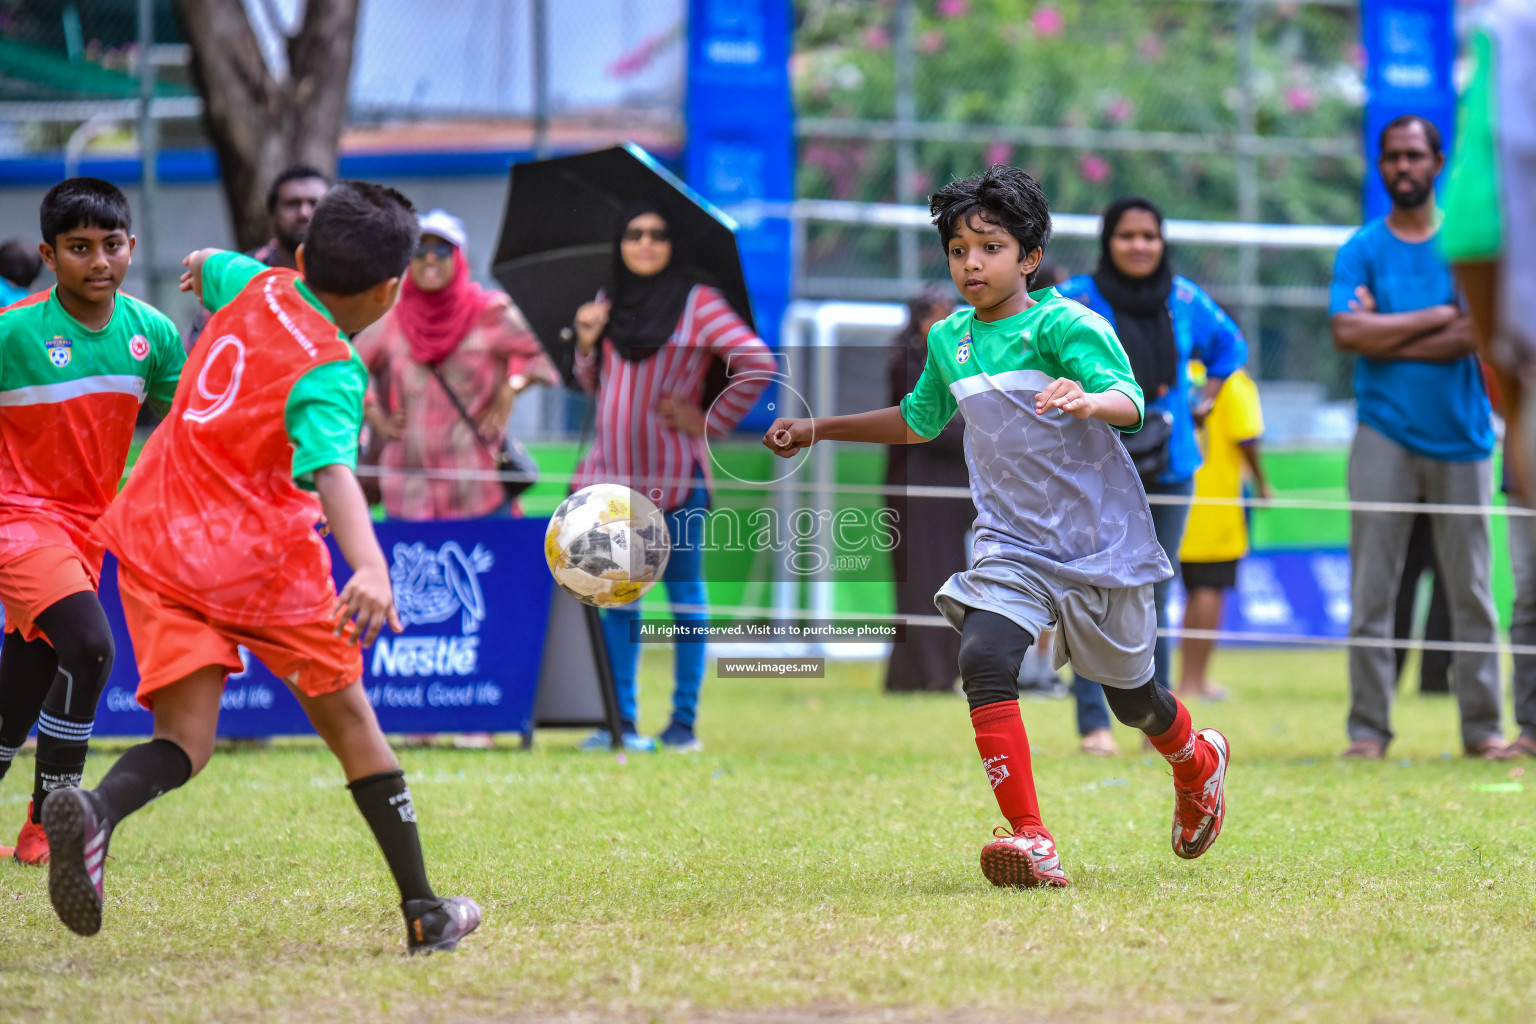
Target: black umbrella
(556,246)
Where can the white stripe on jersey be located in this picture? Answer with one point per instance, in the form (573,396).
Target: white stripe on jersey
(49,394)
(1008,380)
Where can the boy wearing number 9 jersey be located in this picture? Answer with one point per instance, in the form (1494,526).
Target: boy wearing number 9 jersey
(215,535)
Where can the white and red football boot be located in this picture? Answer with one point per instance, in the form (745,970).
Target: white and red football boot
(1199,811)
(1024,858)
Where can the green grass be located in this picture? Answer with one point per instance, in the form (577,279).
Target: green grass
(820,857)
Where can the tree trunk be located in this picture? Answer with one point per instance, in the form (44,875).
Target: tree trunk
(261,124)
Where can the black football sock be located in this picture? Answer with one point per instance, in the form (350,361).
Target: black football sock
(26,671)
(77,628)
(385,801)
(140,775)
(62,741)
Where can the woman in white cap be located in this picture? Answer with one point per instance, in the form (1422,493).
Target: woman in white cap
(445,333)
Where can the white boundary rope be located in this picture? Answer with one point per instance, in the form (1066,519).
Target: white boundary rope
(927,491)
(1287,639)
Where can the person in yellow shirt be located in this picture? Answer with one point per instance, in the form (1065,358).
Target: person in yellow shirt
(1217,535)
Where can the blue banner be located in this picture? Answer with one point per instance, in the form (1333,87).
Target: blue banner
(1410,49)
(741,140)
(1291,593)
(474,598)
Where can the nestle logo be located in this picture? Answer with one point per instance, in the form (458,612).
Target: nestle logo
(411,656)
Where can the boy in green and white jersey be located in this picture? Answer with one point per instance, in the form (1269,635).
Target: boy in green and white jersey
(1063,534)
(76,363)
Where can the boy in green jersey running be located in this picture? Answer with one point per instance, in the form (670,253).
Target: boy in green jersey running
(76,362)
(1063,535)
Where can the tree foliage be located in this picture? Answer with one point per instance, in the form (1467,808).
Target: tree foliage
(1153,66)
(1107,65)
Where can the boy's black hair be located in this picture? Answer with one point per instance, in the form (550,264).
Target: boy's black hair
(83,202)
(296,172)
(1431,132)
(19,262)
(361,234)
(1002,195)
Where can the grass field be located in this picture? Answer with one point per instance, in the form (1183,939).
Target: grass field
(818,863)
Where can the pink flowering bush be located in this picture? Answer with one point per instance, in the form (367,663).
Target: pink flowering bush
(1110,65)
(1299,99)
(1047,21)
(1094,168)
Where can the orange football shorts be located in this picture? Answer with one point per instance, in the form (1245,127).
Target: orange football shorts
(171,641)
(32,583)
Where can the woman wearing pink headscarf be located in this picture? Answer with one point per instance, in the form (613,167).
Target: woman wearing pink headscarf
(445,332)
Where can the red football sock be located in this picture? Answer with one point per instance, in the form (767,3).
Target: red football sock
(1004,752)
(1178,745)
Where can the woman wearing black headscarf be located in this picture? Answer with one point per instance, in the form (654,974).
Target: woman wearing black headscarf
(1163,320)
(644,350)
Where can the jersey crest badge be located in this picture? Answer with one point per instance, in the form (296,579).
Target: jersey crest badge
(963,350)
(59,350)
(138,346)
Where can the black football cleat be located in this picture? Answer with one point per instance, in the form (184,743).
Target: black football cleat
(77,839)
(437,925)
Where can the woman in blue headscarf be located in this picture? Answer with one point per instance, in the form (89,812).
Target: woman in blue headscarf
(1163,320)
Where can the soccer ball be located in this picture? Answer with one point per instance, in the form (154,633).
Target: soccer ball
(607,545)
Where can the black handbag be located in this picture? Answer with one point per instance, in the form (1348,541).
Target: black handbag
(1148,447)
(509,457)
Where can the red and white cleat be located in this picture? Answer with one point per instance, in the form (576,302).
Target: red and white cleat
(1025,859)
(1198,811)
(32,845)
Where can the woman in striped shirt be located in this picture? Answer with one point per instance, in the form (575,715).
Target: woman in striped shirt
(644,350)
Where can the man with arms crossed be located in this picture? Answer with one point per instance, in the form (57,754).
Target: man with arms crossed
(1425,435)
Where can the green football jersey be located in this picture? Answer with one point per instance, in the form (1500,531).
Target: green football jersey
(1052,491)
(69,400)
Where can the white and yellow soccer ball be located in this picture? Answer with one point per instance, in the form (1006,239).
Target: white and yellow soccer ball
(607,545)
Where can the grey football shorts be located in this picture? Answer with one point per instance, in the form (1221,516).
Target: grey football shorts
(1104,633)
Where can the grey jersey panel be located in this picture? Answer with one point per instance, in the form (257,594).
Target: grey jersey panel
(1053,491)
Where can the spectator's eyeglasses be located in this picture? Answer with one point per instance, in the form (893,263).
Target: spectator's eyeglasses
(442,250)
(657,235)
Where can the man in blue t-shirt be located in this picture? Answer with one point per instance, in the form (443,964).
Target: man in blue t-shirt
(1425,435)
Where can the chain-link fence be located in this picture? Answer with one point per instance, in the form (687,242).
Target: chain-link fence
(617,61)
(69,76)
(1218,110)
(560,70)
